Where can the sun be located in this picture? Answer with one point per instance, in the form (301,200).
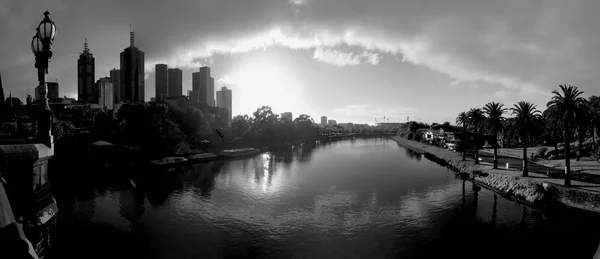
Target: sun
(265,83)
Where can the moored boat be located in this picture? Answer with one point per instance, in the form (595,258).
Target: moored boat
(203,157)
(239,152)
(170,161)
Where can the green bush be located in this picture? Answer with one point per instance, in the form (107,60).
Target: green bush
(417,137)
(410,136)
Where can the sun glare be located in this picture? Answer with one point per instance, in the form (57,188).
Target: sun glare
(266,83)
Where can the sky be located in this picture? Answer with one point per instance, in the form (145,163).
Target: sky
(350,60)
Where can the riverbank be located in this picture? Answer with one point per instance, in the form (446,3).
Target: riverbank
(538,189)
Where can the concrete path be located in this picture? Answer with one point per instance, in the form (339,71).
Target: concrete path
(537,172)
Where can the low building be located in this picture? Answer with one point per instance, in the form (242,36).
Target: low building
(331,122)
(180,100)
(287,116)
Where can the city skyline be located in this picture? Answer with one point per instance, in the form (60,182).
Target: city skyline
(313,57)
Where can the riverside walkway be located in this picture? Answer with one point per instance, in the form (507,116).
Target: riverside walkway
(581,194)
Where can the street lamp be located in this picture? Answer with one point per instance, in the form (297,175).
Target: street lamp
(41,46)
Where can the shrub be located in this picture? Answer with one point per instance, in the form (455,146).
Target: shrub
(596,154)
(403,134)
(417,137)
(410,136)
(541,152)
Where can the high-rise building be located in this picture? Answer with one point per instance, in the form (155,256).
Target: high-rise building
(86,76)
(198,93)
(287,116)
(105,93)
(175,82)
(1,91)
(323,120)
(201,81)
(211,92)
(224,101)
(53,90)
(331,122)
(132,73)
(115,78)
(161,89)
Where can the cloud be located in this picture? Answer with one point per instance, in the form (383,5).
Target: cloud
(502,94)
(226,80)
(336,58)
(365,110)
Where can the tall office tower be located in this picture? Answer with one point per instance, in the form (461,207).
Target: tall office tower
(132,73)
(1,91)
(105,93)
(161,89)
(53,90)
(175,82)
(201,83)
(211,92)
(224,101)
(86,76)
(323,120)
(115,78)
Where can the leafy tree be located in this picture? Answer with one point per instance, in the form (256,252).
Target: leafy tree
(475,119)
(463,120)
(525,114)
(565,106)
(493,123)
(594,103)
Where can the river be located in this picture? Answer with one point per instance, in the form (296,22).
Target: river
(360,198)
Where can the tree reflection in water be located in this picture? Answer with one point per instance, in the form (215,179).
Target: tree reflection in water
(204,177)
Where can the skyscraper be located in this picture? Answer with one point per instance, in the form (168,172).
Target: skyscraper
(105,93)
(323,120)
(224,101)
(161,89)
(201,81)
(53,90)
(1,91)
(211,92)
(115,78)
(86,76)
(132,73)
(197,95)
(175,82)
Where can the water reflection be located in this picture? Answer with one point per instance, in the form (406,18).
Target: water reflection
(347,199)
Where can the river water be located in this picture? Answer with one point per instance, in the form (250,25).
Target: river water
(361,198)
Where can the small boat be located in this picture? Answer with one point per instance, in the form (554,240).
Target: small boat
(203,157)
(239,152)
(170,161)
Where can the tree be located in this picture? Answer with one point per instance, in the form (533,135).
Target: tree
(493,123)
(463,120)
(594,102)
(565,106)
(582,119)
(525,117)
(475,119)
(554,126)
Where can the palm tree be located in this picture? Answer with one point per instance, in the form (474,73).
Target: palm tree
(565,106)
(494,112)
(463,121)
(554,126)
(476,119)
(594,102)
(526,117)
(582,119)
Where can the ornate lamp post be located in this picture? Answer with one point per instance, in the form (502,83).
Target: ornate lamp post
(41,45)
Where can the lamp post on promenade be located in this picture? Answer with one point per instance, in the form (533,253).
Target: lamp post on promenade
(41,46)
